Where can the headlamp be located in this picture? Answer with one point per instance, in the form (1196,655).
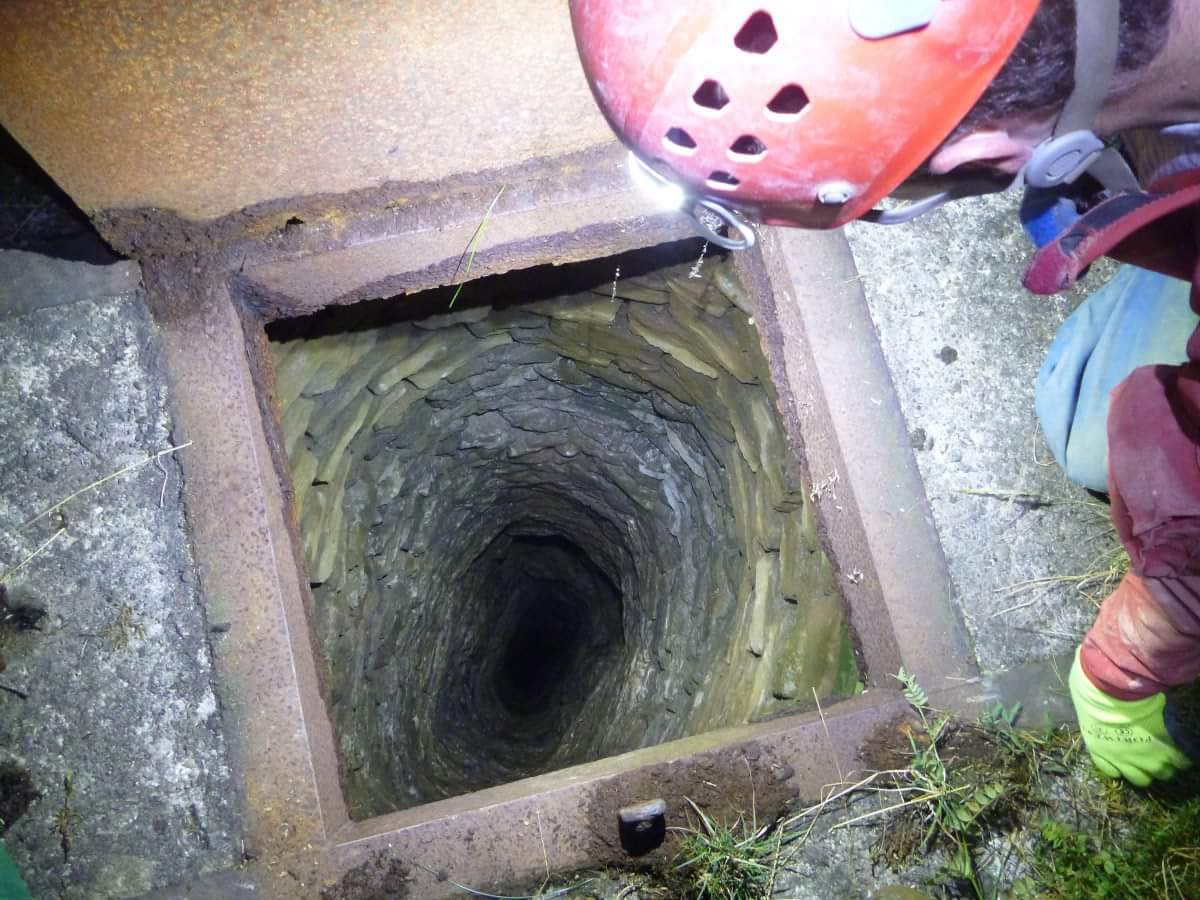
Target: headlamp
(708,217)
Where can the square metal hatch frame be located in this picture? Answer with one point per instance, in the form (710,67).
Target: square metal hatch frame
(841,415)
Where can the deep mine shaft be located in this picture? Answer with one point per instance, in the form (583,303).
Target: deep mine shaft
(529,523)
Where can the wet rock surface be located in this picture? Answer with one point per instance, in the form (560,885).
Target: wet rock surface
(119,731)
(543,529)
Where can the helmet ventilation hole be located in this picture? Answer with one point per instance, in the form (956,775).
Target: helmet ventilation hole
(790,100)
(679,141)
(710,95)
(757,35)
(747,148)
(722,181)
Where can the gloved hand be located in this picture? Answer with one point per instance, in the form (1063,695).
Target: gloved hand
(1126,738)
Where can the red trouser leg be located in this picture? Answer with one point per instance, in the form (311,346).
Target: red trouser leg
(1147,636)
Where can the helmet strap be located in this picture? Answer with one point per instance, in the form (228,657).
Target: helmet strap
(1074,147)
(975,185)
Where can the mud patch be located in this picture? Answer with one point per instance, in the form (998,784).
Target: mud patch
(378,878)
(889,747)
(737,781)
(17,794)
(892,746)
(17,619)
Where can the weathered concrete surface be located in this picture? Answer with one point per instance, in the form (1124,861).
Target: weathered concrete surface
(204,109)
(118,675)
(964,342)
(32,281)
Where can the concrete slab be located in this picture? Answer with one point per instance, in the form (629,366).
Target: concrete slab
(109,702)
(964,341)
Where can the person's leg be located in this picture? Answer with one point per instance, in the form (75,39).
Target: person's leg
(1138,318)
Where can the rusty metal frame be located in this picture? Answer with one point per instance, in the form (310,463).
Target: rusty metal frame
(824,357)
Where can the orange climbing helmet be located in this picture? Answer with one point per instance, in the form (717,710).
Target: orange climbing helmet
(803,113)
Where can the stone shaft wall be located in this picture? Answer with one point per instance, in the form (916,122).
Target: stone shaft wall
(611,463)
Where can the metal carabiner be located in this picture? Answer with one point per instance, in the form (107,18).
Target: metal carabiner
(707,216)
(712,216)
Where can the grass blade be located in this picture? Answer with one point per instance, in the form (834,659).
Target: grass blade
(468,254)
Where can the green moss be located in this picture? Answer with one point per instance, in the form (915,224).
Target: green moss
(848,680)
(1147,846)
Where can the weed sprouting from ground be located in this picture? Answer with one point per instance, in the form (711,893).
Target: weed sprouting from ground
(1107,839)
(723,861)
(1011,812)
(122,629)
(959,779)
(66,820)
(1069,834)
(1156,857)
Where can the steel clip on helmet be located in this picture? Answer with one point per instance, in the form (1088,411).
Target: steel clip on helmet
(808,113)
